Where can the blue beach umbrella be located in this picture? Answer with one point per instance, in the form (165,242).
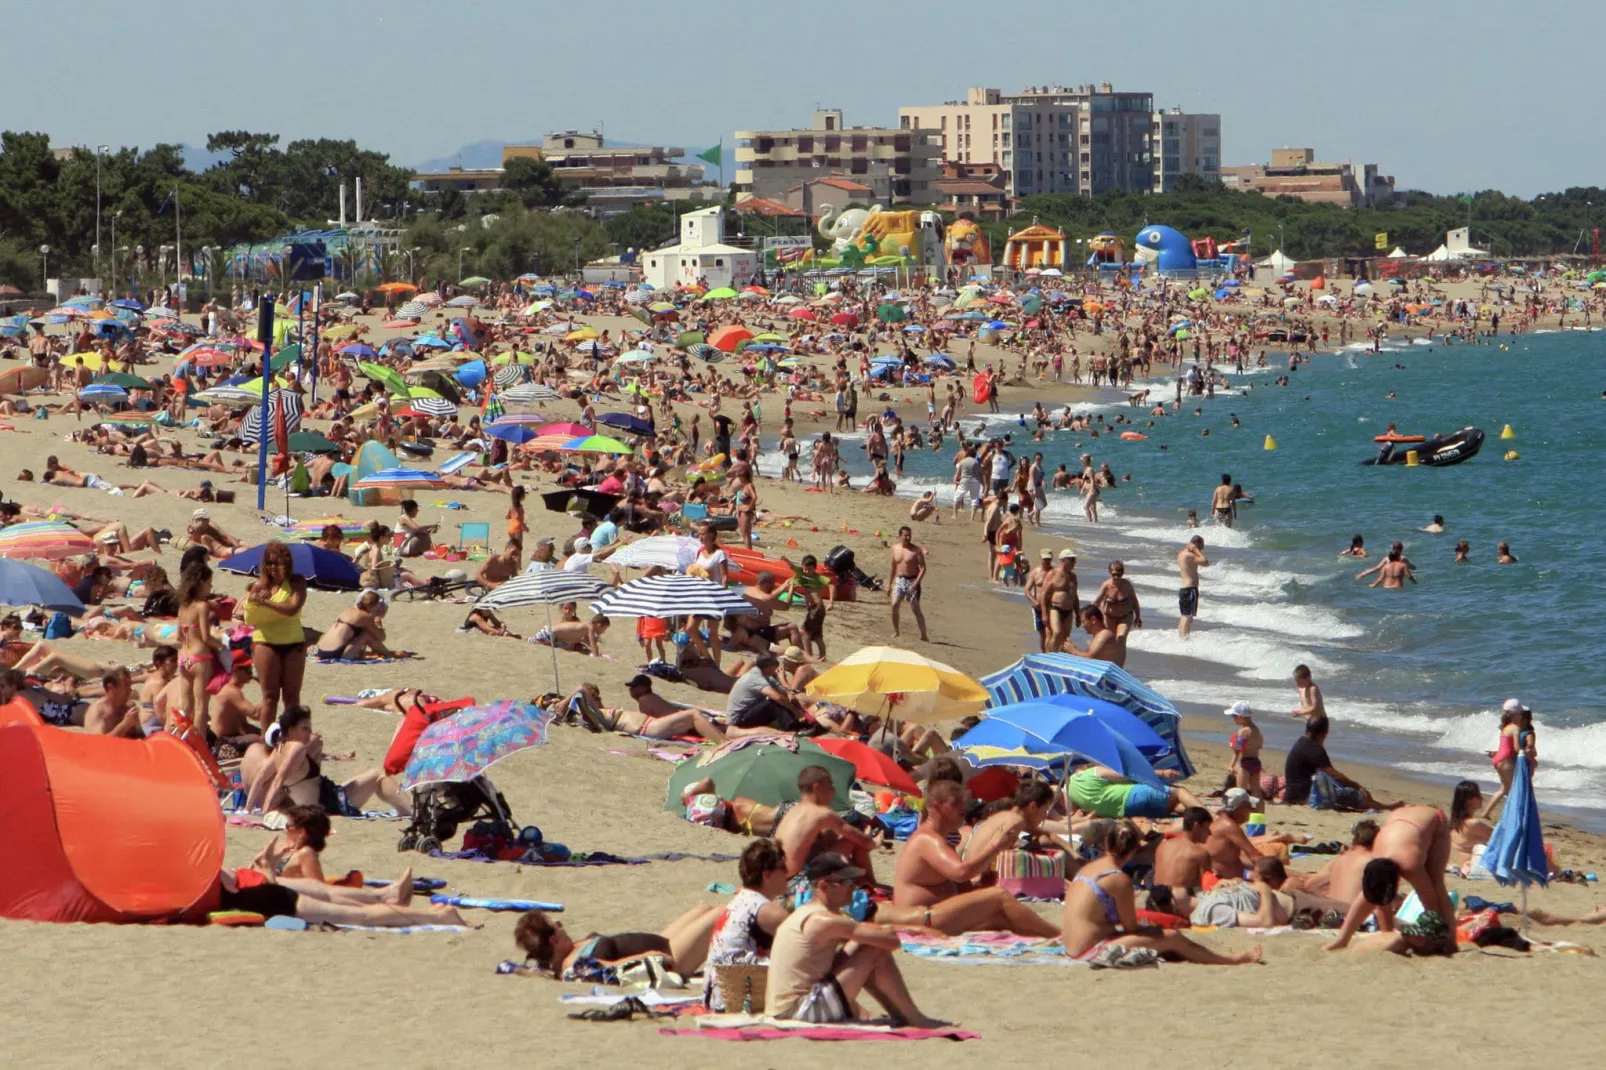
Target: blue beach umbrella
(1081,734)
(996,743)
(22,584)
(323,569)
(518,434)
(1516,850)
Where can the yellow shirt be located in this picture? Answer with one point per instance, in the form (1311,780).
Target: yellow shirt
(275,629)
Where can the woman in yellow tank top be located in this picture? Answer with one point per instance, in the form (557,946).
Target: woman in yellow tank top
(279,642)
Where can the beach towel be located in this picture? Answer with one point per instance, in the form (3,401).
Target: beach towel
(479,903)
(753,1027)
(996,948)
(404,929)
(598,858)
(651,997)
(322,659)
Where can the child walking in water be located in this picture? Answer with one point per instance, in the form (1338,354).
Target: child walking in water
(1516,737)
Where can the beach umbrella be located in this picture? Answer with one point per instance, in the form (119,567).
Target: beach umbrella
(569,429)
(429,299)
(870,765)
(638,297)
(532,419)
(463,302)
(280,400)
(625,422)
(358,351)
(474,280)
(324,569)
(459,748)
(389,378)
(801,314)
(1080,734)
(727,337)
(993,743)
(636,356)
(704,351)
(581,501)
(1044,675)
(1516,850)
(516,433)
(412,310)
(401,479)
(435,406)
(47,539)
(722,293)
(397,288)
(661,551)
(103,392)
(122,379)
(545,587)
(687,339)
(29,585)
(596,444)
(205,356)
(161,312)
(889,681)
(844,319)
(584,334)
(764,772)
(129,418)
(311,442)
(672,596)
(510,375)
(890,313)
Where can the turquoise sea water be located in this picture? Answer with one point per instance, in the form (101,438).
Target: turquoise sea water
(1415,678)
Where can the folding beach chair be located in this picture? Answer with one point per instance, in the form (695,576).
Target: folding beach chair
(474,536)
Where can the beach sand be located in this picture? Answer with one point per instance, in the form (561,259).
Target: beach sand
(180,997)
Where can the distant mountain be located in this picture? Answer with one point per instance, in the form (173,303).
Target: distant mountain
(482,154)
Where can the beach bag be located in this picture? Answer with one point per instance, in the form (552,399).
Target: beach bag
(1323,792)
(60,626)
(1032,874)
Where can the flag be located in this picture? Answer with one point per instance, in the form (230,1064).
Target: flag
(1464,198)
(493,409)
(714,155)
(167,202)
(1380,241)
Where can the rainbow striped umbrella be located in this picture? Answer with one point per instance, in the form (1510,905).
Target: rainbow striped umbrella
(312,528)
(402,479)
(596,444)
(132,417)
(465,745)
(49,539)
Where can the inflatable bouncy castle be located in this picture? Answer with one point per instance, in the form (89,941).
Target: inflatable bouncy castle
(966,245)
(1036,246)
(1164,251)
(99,829)
(1106,248)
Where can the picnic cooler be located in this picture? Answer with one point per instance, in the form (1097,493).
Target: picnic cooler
(740,981)
(1032,874)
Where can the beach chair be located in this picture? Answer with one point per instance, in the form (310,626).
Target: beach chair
(474,536)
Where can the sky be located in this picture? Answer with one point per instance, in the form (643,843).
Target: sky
(1445,95)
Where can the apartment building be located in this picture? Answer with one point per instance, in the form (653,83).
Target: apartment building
(1185,143)
(614,178)
(1048,139)
(899,166)
(1297,173)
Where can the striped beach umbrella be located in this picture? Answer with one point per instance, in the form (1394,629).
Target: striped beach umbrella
(401,479)
(433,406)
(161,312)
(463,302)
(50,539)
(428,298)
(103,392)
(131,418)
(546,587)
(511,374)
(672,596)
(251,426)
(412,310)
(531,394)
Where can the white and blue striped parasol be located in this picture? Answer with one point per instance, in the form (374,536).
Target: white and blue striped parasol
(672,596)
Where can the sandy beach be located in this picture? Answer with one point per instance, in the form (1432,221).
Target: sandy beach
(143,995)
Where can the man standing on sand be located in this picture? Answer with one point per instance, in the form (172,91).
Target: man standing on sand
(907,573)
(1190,559)
(1221,501)
(1057,600)
(1034,587)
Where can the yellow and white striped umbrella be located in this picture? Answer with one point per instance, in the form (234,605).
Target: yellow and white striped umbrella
(890,682)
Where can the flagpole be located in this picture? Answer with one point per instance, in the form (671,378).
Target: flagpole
(265,336)
(178,238)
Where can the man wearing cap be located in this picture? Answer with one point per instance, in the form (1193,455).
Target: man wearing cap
(759,703)
(1034,587)
(1057,600)
(660,718)
(821,960)
(232,713)
(1231,853)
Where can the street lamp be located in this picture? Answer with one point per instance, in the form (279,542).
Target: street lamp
(410,252)
(1282,244)
(577,273)
(100,151)
(460,252)
(44,253)
(161,256)
(115,216)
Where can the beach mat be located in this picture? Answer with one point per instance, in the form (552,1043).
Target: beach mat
(481,903)
(753,1027)
(995,948)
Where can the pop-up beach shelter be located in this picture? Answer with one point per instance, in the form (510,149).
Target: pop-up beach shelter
(99,829)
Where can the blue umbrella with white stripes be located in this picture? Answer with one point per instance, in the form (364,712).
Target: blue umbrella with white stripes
(672,596)
(545,587)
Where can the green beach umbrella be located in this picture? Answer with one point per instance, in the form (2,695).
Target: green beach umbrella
(285,357)
(1031,305)
(723,293)
(389,378)
(311,442)
(890,313)
(598,444)
(640,315)
(688,339)
(765,773)
(122,379)
(1199,294)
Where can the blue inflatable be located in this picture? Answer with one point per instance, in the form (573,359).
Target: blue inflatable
(1164,251)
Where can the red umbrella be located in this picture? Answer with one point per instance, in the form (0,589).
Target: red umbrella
(801,314)
(568,430)
(845,319)
(870,764)
(728,337)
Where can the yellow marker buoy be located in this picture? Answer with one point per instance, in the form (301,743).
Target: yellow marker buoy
(1508,432)
(1271,443)
(1410,459)
(1513,455)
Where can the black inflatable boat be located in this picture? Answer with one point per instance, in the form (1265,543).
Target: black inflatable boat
(1436,452)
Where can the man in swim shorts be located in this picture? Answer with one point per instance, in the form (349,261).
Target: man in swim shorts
(1034,587)
(907,573)
(1190,559)
(1221,502)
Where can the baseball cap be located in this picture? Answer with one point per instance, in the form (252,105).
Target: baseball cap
(641,679)
(107,536)
(792,653)
(831,864)
(582,541)
(241,659)
(1045,553)
(200,514)
(1515,706)
(1239,709)
(1067,555)
(1234,798)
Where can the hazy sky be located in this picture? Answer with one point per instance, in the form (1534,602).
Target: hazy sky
(1443,94)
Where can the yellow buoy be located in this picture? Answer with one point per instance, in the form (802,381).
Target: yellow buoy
(1271,443)
(1512,455)
(1508,432)
(1410,459)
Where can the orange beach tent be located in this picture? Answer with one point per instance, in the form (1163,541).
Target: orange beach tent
(98,829)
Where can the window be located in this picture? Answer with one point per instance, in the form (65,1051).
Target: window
(1006,139)
(833,144)
(763,144)
(1211,131)
(944,122)
(859,143)
(904,122)
(861,166)
(1087,157)
(719,261)
(830,122)
(900,144)
(902,165)
(995,120)
(805,144)
(1085,139)
(900,189)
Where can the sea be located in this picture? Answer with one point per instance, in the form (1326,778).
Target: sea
(1413,679)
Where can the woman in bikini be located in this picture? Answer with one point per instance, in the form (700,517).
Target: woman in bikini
(279,642)
(197,661)
(516,526)
(1118,601)
(295,854)
(357,632)
(1413,843)
(1100,919)
(290,773)
(745,497)
(1467,829)
(683,945)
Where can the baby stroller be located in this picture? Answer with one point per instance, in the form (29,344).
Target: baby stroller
(439,809)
